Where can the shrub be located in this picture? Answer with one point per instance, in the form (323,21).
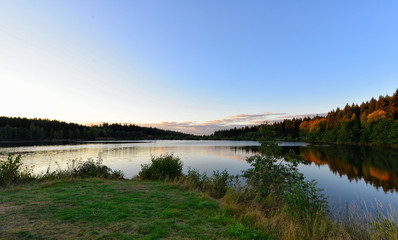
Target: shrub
(216,185)
(269,176)
(12,171)
(91,168)
(304,199)
(196,179)
(164,166)
(219,182)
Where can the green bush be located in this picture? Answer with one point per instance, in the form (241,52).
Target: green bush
(219,183)
(196,179)
(216,185)
(269,176)
(12,171)
(91,168)
(164,166)
(304,199)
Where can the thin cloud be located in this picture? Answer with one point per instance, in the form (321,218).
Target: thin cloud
(208,127)
(228,122)
(311,115)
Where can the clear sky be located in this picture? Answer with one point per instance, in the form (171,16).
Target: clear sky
(193,66)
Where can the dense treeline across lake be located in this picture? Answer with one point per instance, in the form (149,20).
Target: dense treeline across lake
(17,129)
(374,122)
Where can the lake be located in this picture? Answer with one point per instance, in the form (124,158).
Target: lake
(356,175)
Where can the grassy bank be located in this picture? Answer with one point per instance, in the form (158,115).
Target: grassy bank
(95,208)
(275,199)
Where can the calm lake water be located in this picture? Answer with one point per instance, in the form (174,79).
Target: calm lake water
(352,174)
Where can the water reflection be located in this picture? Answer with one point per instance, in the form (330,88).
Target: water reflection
(249,150)
(376,166)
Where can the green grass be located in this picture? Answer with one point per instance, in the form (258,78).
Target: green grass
(114,209)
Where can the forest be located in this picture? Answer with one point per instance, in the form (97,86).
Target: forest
(371,122)
(23,129)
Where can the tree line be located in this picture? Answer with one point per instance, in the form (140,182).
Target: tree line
(374,122)
(17,129)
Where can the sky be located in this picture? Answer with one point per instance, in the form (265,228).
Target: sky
(193,66)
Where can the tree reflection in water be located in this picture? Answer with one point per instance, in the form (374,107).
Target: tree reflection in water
(377,166)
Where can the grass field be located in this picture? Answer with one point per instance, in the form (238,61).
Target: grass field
(113,209)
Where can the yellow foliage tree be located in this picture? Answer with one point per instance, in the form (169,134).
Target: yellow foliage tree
(376,115)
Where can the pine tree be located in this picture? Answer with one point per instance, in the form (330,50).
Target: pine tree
(393,108)
(382,104)
(372,105)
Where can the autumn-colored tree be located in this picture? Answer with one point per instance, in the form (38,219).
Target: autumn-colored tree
(374,121)
(376,115)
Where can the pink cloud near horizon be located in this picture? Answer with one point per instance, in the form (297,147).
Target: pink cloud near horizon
(239,120)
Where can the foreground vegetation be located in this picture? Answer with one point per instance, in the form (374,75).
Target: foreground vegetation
(12,171)
(91,201)
(95,208)
(275,200)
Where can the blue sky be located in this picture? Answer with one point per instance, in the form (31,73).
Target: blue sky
(193,66)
